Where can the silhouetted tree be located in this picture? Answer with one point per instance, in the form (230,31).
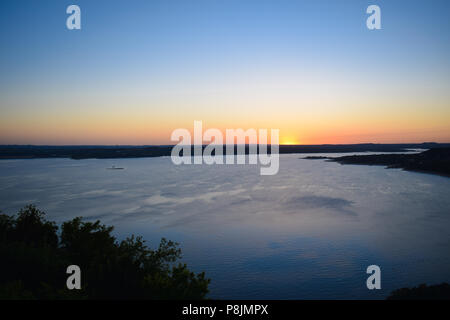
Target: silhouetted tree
(34,261)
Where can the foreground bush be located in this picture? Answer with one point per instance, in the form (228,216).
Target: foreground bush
(34,258)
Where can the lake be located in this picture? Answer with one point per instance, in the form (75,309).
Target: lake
(308,232)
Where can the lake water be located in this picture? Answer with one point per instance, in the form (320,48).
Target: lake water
(308,232)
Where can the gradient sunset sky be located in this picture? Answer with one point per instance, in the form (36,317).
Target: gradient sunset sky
(139,69)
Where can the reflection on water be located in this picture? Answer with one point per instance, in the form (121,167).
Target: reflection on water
(308,232)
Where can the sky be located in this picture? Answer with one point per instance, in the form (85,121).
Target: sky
(139,69)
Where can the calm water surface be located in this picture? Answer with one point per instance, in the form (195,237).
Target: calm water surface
(308,232)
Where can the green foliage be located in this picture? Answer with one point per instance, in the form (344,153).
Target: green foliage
(35,258)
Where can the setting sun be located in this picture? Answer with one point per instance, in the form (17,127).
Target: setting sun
(289,141)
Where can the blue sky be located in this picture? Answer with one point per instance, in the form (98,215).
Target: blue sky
(158,53)
(195,34)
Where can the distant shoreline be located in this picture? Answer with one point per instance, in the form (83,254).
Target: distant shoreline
(116,152)
(433,161)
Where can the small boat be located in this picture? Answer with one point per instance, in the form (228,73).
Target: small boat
(115,168)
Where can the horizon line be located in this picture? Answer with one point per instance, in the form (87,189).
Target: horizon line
(171,145)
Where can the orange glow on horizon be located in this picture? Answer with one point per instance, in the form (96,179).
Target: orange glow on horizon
(289,141)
